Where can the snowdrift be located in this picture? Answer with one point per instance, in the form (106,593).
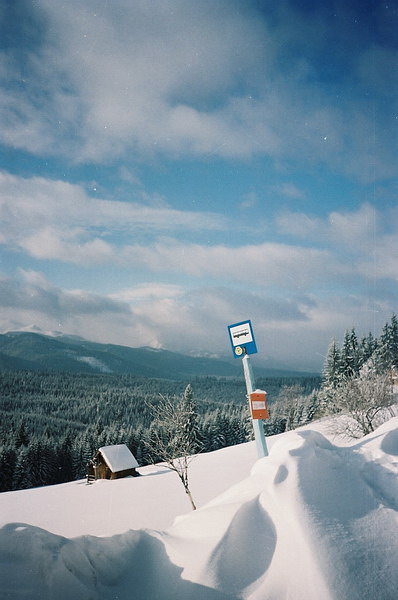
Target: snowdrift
(311,521)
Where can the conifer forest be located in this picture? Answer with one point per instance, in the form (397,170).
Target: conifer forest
(51,424)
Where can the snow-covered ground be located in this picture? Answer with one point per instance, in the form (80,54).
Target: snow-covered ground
(315,520)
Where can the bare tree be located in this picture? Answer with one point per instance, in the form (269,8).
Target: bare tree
(172,436)
(364,401)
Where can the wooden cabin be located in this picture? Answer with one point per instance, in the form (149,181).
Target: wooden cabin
(112,462)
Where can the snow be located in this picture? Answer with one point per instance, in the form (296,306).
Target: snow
(95,363)
(118,458)
(315,520)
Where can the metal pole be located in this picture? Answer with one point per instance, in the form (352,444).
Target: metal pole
(261,442)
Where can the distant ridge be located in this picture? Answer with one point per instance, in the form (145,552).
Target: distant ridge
(27,350)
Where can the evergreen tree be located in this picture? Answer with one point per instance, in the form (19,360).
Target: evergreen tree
(209,433)
(350,354)
(22,478)
(332,369)
(7,466)
(64,464)
(394,340)
(22,436)
(367,348)
(189,420)
(82,452)
(387,351)
(310,408)
(40,459)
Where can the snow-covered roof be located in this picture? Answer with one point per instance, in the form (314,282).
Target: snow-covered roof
(118,458)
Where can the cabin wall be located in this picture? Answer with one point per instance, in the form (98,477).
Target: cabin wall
(100,470)
(125,473)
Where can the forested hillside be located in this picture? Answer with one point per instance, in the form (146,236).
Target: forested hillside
(52,423)
(31,351)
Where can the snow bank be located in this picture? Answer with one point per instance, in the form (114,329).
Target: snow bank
(313,521)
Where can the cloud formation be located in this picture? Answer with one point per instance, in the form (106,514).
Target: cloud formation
(173,165)
(187,319)
(58,220)
(195,78)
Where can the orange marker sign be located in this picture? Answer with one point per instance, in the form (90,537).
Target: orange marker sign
(258,404)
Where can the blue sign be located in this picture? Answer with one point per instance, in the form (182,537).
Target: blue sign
(242,339)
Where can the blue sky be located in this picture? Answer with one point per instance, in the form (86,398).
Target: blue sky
(171,167)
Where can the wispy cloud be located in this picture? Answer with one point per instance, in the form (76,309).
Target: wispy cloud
(289,190)
(58,220)
(360,237)
(263,264)
(54,220)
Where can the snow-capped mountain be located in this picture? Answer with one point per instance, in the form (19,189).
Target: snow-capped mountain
(58,352)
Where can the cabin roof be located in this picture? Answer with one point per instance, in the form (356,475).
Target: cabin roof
(118,458)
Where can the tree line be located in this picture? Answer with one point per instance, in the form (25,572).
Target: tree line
(51,424)
(360,381)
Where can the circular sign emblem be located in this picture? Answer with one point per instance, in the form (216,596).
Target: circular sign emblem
(238,350)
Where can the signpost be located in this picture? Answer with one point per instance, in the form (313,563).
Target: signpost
(243,344)
(242,339)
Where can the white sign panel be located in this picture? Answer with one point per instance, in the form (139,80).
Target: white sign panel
(241,334)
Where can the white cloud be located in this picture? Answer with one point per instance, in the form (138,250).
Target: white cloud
(356,229)
(294,329)
(58,221)
(191,78)
(147,292)
(262,264)
(382,259)
(289,190)
(56,244)
(134,75)
(29,203)
(300,225)
(359,237)
(54,220)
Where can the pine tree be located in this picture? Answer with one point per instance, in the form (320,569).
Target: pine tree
(310,409)
(22,478)
(22,436)
(387,352)
(367,348)
(394,340)
(64,466)
(82,452)
(189,420)
(41,462)
(350,354)
(332,369)
(209,433)
(7,465)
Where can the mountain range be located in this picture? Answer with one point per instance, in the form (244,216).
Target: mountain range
(21,350)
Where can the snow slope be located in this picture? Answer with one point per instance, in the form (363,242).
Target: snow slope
(313,521)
